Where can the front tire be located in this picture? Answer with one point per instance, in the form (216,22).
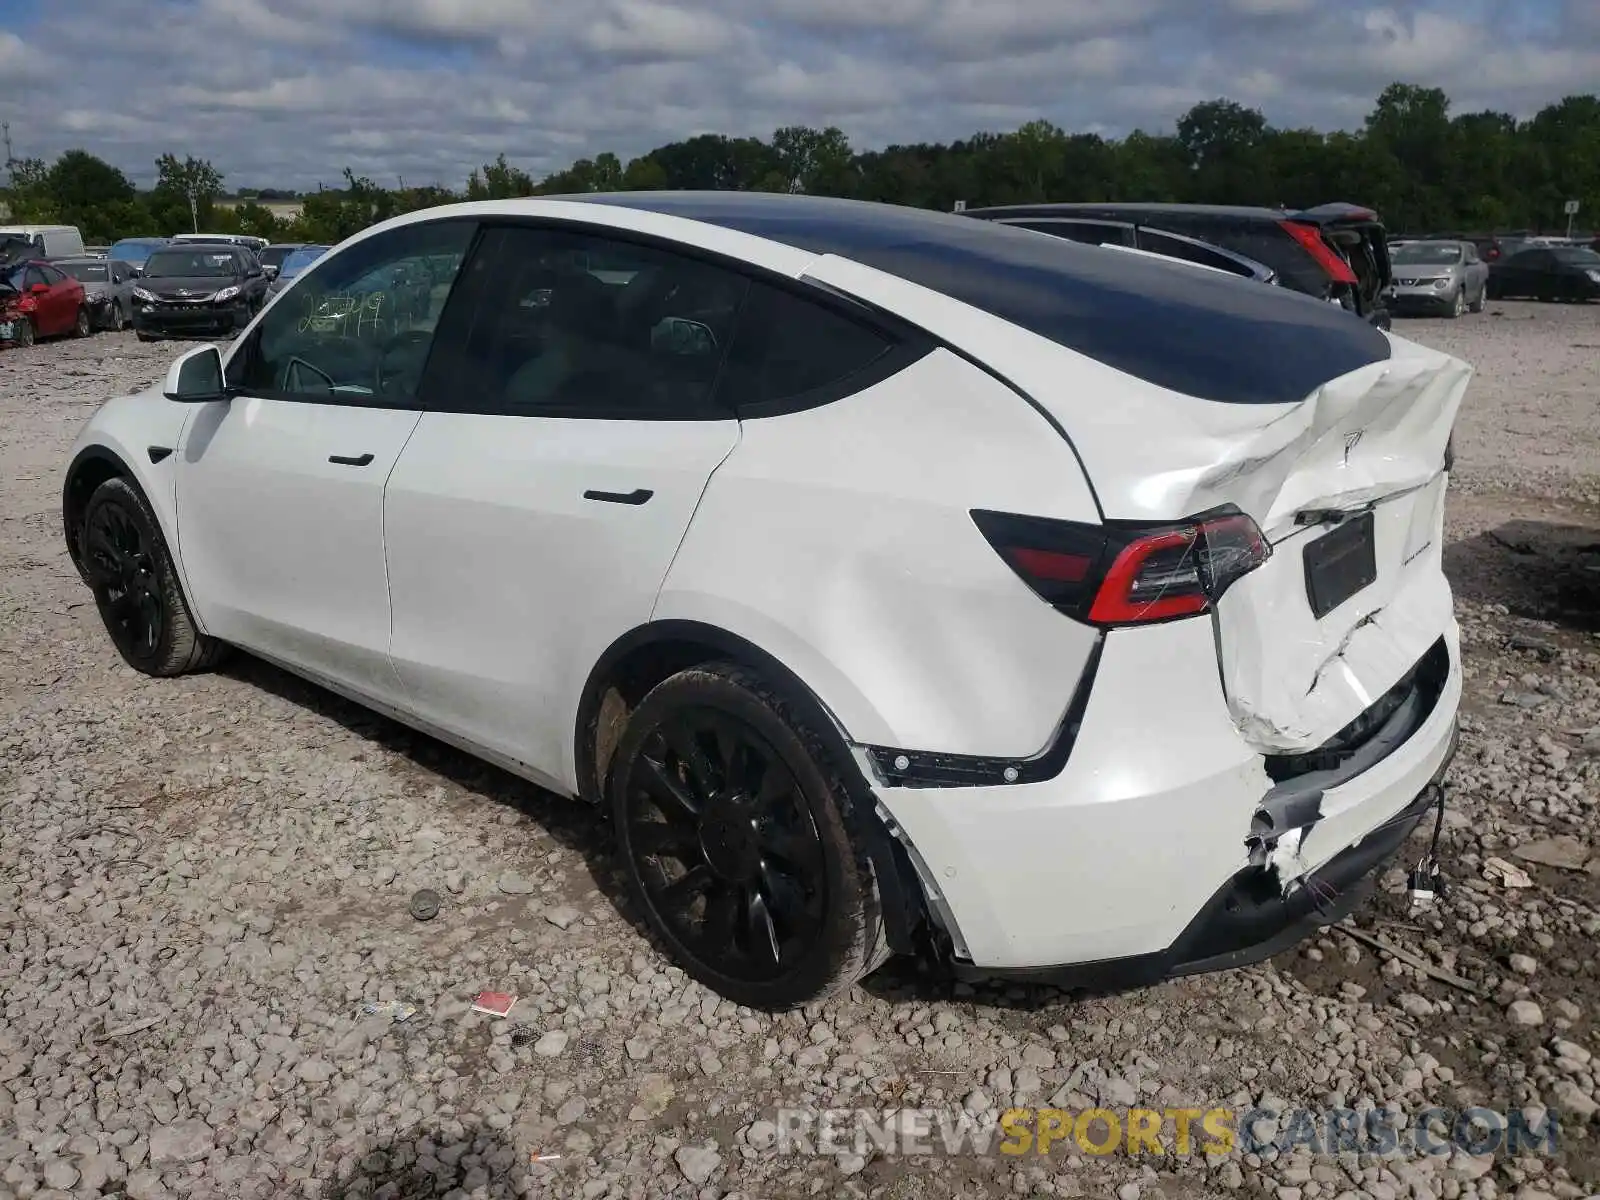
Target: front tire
(136,586)
(1458,303)
(23,334)
(82,327)
(733,834)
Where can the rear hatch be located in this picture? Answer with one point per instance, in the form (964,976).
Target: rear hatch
(1347,487)
(1358,236)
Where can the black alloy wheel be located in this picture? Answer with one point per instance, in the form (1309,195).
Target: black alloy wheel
(733,843)
(136,587)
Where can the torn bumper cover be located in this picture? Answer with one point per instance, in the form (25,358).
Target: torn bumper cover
(1276,900)
(1249,918)
(1290,811)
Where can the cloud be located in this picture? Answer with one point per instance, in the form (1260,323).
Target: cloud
(289,92)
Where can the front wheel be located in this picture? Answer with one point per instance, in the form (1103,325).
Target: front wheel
(1458,304)
(732,831)
(22,335)
(82,327)
(1477,305)
(136,586)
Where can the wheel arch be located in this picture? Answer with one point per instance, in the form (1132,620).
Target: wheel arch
(90,467)
(648,654)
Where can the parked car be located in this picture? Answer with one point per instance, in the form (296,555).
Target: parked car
(1445,277)
(37,300)
(1335,252)
(134,251)
(272,256)
(296,262)
(107,289)
(50,241)
(201,290)
(1547,273)
(254,244)
(856,557)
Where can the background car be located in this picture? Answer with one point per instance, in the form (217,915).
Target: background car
(50,241)
(293,263)
(198,289)
(134,251)
(107,288)
(888,542)
(1446,277)
(1547,273)
(38,300)
(1335,252)
(254,244)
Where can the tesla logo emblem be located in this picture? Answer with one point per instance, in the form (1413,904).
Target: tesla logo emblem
(1351,441)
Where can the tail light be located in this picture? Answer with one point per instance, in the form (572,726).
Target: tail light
(1310,237)
(1128,575)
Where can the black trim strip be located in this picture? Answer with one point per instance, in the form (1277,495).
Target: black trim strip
(922,769)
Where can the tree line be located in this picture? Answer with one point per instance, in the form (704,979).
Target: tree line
(1421,167)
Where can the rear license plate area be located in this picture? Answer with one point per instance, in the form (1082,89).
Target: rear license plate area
(1339,564)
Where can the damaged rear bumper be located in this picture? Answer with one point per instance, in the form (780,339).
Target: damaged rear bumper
(1249,918)
(1141,859)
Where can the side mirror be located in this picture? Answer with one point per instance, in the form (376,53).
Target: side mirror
(39,289)
(271,272)
(137,272)
(196,378)
(252,272)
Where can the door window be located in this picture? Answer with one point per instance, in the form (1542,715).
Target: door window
(360,323)
(35,277)
(574,324)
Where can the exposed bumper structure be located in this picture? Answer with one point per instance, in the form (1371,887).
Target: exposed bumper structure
(1144,858)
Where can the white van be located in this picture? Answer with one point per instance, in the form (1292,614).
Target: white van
(54,241)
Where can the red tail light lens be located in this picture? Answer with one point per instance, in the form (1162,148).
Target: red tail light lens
(1310,237)
(1125,575)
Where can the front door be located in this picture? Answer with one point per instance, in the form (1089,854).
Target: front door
(280,488)
(532,526)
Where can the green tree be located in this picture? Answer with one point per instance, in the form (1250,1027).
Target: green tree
(186,190)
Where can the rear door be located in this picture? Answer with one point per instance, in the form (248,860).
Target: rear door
(532,517)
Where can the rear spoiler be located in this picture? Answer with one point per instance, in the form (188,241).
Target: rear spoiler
(1337,214)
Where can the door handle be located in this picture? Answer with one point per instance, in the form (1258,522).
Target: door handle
(346,460)
(637,496)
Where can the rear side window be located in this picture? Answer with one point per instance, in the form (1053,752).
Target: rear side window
(1091,233)
(1181,248)
(1263,241)
(790,352)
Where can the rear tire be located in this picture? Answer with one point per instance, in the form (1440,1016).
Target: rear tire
(143,336)
(733,833)
(136,586)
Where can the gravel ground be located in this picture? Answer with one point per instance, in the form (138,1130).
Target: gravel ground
(202,881)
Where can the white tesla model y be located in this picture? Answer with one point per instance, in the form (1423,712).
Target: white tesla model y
(898,582)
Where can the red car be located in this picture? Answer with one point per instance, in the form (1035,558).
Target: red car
(37,300)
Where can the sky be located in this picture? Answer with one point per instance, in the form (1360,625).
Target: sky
(286,93)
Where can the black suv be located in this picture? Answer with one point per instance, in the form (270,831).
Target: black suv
(1334,252)
(195,289)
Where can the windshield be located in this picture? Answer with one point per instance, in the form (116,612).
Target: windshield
(191,264)
(300,259)
(1578,256)
(86,272)
(1432,254)
(134,250)
(274,256)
